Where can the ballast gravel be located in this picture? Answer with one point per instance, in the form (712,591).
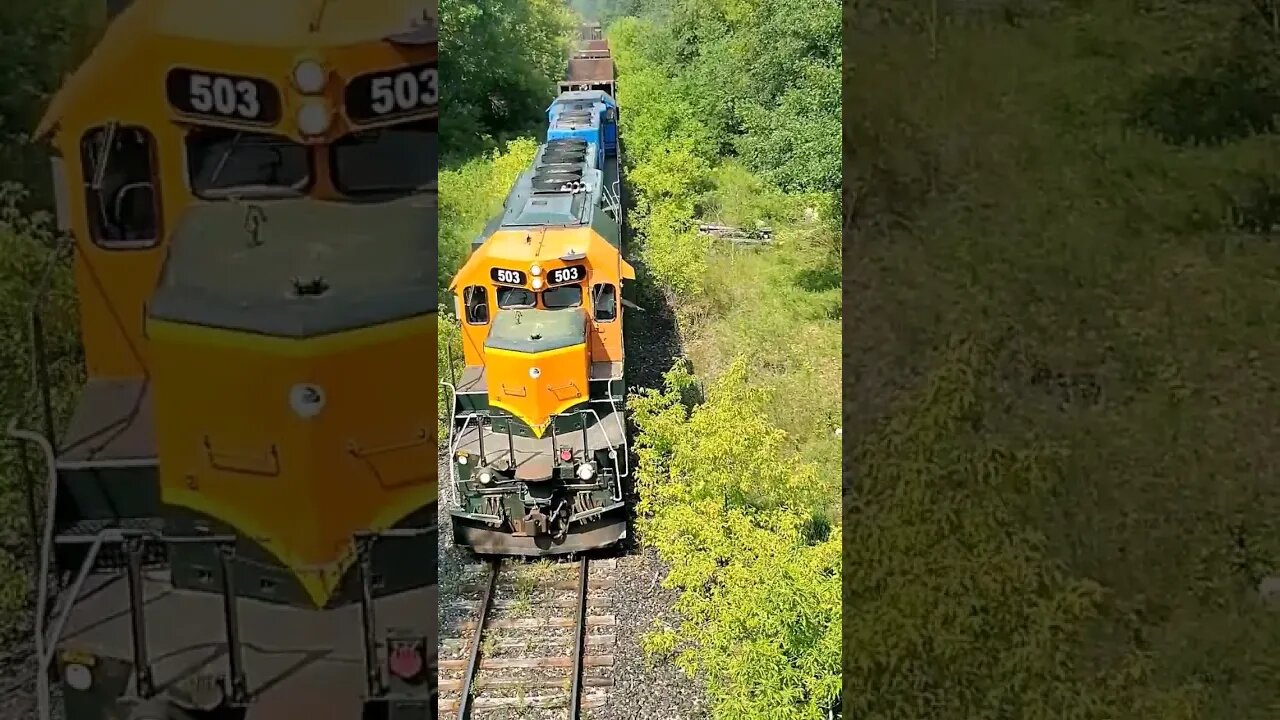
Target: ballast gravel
(641,691)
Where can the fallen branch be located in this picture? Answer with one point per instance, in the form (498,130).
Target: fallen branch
(741,236)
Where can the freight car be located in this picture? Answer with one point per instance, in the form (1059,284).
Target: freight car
(538,441)
(244,497)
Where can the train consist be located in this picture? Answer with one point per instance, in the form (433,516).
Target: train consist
(538,439)
(244,498)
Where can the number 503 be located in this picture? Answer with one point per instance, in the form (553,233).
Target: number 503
(406,91)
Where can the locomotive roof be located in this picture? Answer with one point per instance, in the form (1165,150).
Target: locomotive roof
(535,199)
(378,261)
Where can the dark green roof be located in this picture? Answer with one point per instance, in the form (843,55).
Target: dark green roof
(378,261)
(536,330)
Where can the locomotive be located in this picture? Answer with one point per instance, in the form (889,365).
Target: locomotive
(245,493)
(538,440)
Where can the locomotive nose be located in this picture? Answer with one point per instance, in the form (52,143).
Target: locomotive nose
(541,356)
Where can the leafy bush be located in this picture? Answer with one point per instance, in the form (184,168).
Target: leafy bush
(731,509)
(470,196)
(27,262)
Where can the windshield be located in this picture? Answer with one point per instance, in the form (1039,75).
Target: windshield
(395,160)
(513,297)
(558,298)
(225,163)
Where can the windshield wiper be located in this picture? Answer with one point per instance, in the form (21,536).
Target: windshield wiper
(226,156)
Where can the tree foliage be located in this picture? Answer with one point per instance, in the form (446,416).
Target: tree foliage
(500,60)
(762,77)
(40,41)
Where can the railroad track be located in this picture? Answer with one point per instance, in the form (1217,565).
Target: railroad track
(528,640)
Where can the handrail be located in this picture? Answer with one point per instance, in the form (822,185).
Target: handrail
(43,656)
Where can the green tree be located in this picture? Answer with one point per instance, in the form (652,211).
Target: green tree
(500,60)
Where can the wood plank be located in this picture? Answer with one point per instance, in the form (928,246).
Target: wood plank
(537,701)
(569,603)
(455,684)
(592,640)
(535,623)
(593,583)
(554,567)
(562,661)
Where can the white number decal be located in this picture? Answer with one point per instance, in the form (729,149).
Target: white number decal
(564,275)
(384,100)
(405,91)
(201,97)
(509,276)
(249,105)
(224,96)
(430,79)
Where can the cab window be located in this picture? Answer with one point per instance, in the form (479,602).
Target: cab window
(565,296)
(119,163)
(604,299)
(391,161)
(226,163)
(476,303)
(514,297)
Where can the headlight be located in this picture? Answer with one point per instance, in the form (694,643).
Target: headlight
(537,283)
(586,471)
(309,77)
(79,677)
(485,477)
(462,458)
(536,270)
(314,118)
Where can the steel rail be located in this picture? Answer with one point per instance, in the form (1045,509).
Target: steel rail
(473,664)
(580,641)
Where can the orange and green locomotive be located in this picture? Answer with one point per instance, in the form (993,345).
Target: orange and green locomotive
(539,442)
(244,497)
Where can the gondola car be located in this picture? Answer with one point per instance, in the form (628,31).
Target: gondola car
(538,442)
(245,493)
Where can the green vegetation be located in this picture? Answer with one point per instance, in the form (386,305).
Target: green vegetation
(39,42)
(737,470)
(1064,355)
(28,261)
(501,60)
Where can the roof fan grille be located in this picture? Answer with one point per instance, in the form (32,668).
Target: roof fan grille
(567,143)
(563,158)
